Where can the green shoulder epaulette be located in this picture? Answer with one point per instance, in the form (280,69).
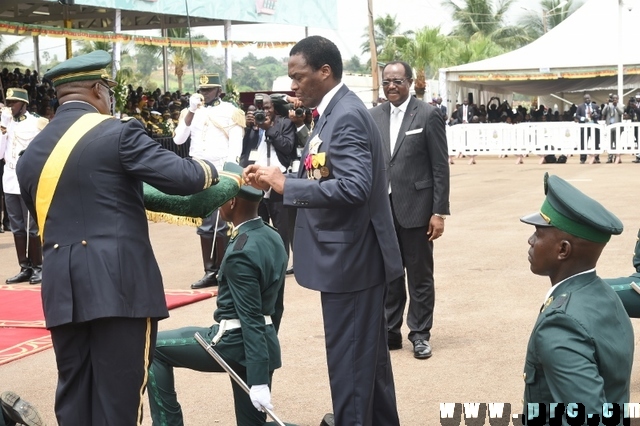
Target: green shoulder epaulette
(240,242)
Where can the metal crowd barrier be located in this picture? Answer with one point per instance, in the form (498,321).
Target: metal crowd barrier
(543,138)
(167,143)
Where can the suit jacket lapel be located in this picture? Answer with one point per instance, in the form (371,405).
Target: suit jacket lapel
(408,118)
(317,129)
(385,128)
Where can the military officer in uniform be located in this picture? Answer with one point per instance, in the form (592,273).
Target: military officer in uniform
(628,288)
(248,314)
(102,290)
(216,129)
(581,347)
(18,127)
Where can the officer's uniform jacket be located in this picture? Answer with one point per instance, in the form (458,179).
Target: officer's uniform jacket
(216,133)
(98,260)
(581,347)
(250,286)
(19,135)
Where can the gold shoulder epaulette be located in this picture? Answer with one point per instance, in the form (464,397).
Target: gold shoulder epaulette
(125,119)
(239,118)
(41,123)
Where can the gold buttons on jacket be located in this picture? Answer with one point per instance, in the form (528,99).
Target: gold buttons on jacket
(84,243)
(524,376)
(55,246)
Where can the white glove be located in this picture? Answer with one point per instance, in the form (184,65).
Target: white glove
(261,397)
(194,102)
(6,117)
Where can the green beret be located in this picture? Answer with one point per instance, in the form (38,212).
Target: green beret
(246,191)
(91,66)
(15,94)
(565,207)
(210,80)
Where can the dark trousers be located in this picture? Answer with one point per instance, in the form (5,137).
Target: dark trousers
(178,348)
(585,133)
(102,370)
(279,215)
(360,374)
(417,258)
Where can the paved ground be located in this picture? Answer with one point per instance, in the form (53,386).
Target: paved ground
(487,302)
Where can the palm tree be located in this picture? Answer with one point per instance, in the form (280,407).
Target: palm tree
(179,57)
(553,13)
(482,17)
(427,51)
(383,28)
(475,49)
(6,54)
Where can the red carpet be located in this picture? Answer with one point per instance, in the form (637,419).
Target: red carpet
(22,323)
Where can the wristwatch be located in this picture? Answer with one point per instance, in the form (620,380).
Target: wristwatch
(443,217)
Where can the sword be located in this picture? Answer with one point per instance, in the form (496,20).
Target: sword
(215,233)
(209,348)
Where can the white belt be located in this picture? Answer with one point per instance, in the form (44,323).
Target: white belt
(232,324)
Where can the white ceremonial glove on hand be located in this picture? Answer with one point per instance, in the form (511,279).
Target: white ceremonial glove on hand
(194,102)
(261,397)
(6,117)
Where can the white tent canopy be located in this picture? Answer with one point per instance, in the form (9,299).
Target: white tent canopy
(580,54)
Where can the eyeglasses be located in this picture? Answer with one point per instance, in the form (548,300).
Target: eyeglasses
(111,92)
(396,82)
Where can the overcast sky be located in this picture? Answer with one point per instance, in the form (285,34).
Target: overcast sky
(352,21)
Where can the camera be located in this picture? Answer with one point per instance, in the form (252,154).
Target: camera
(259,115)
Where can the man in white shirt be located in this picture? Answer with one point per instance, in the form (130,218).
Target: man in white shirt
(216,130)
(18,127)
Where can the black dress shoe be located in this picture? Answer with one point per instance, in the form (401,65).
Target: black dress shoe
(19,410)
(209,280)
(289,271)
(21,277)
(36,277)
(421,349)
(328,420)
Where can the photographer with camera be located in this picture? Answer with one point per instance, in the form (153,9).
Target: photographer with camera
(275,148)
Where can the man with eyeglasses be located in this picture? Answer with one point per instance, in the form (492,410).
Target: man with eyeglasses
(18,127)
(415,151)
(216,129)
(102,290)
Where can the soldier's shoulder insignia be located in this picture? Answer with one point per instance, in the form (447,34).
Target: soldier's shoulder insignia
(560,301)
(240,242)
(125,119)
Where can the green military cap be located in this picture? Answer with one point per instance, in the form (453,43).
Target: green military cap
(210,80)
(15,94)
(565,207)
(91,66)
(246,191)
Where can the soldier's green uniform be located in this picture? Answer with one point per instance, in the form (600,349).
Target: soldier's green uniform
(581,347)
(251,288)
(629,295)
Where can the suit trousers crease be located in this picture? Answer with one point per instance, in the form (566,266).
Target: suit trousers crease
(179,349)
(85,355)
(417,258)
(360,373)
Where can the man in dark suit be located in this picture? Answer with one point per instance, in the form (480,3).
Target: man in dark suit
(581,347)
(441,108)
(345,246)
(465,112)
(249,308)
(587,112)
(416,157)
(101,289)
